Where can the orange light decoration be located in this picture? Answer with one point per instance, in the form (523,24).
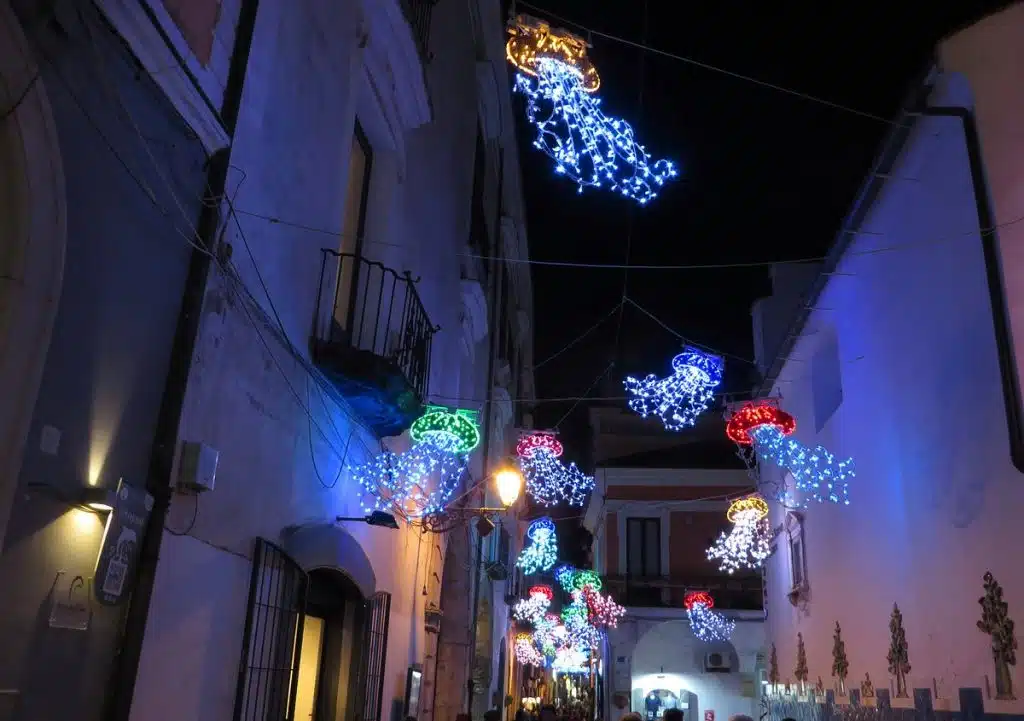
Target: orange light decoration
(753,415)
(533,39)
(694,597)
(753,507)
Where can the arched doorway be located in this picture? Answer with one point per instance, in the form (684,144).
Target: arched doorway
(32,241)
(331,639)
(673,669)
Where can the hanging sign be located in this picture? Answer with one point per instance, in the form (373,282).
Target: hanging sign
(119,553)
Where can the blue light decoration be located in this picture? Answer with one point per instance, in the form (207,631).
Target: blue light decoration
(571,660)
(681,397)
(564,577)
(592,149)
(416,483)
(542,553)
(548,480)
(420,481)
(818,474)
(707,625)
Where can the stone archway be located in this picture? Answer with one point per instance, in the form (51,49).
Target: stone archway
(32,244)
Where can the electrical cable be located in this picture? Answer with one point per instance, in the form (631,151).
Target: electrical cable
(585,394)
(683,338)
(668,266)
(22,96)
(713,68)
(581,336)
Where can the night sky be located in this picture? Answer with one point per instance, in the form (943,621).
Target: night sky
(765,175)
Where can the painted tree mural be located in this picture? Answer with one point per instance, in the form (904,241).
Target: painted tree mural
(996,622)
(840,666)
(801,661)
(899,654)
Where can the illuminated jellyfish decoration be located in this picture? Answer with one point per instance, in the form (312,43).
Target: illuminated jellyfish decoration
(818,474)
(575,579)
(421,481)
(533,608)
(681,397)
(707,625)
(526,651)
(748,544)
(455,431)
(602,611)
(548,480)
(542,552)
(559,81)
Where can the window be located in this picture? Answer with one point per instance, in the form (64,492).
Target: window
(643,547)
(826,381)
(360,165)
(197,20)
(797,551)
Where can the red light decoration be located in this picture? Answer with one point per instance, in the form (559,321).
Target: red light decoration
(694,598)
(542,591)
(755,414)
(538,441)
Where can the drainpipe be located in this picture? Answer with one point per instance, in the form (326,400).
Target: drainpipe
(495,315)
(121,688)
(994,275)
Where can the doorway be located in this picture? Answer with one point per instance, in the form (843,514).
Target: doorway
(331,639)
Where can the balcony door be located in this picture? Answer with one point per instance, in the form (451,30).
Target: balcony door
(360,165)
(643,560)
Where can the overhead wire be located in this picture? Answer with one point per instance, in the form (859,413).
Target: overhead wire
(194,240)
(587,30)
(581,336)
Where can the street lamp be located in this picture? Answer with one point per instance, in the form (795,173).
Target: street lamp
(509,483)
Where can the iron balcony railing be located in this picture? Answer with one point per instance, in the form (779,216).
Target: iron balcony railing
(377,310)
(417,14)
(729,592)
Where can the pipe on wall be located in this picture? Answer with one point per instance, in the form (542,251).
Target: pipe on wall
(1008,375)
(121,689)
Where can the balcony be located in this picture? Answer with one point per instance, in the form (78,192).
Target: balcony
(373,340)
(737,593)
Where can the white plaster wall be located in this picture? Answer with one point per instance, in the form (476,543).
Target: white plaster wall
(935,503)
(662,653)
(284,439)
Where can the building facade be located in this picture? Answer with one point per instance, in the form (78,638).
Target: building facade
(253,241)
(653,514)
(907,361)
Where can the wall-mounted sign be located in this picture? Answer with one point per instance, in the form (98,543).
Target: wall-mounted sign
(119,552)
(709,715)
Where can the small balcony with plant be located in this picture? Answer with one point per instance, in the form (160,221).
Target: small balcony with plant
(373,340)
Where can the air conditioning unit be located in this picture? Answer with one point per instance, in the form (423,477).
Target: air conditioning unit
(716,662)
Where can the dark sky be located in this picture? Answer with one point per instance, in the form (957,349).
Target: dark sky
(765,175)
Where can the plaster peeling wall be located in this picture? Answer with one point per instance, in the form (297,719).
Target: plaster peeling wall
(935,501)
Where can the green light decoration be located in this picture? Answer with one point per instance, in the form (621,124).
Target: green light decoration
(585,577)
(452,430)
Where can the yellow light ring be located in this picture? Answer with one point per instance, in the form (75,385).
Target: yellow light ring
(750,503)
(533,39)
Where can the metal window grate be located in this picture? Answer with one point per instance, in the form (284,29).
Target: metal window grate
(268,668)
(375,653)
